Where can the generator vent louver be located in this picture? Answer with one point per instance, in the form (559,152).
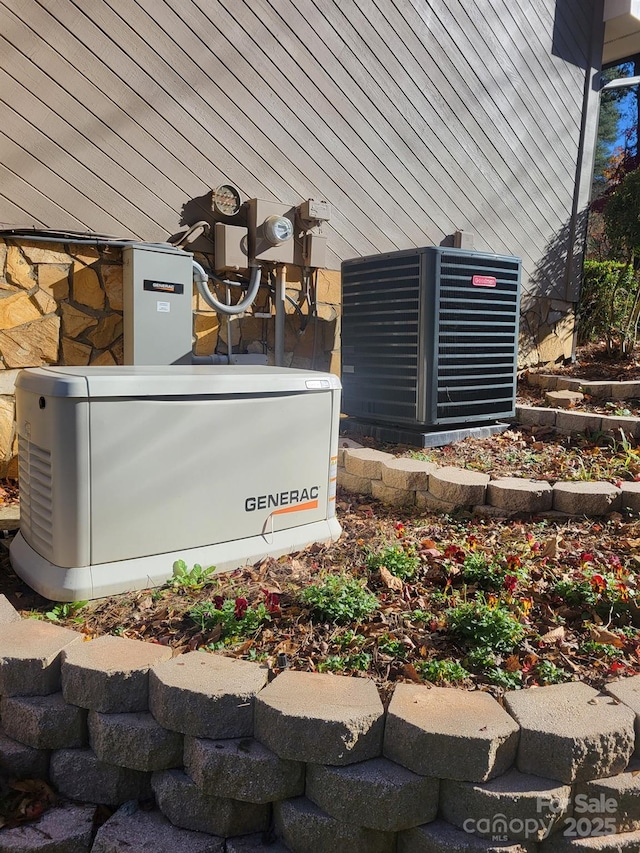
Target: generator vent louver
(36,503)
(424,345)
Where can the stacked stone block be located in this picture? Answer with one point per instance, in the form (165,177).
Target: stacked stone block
(408,482)
(571,733)
(559,390)
(449,735)
(600,389)
(305,762)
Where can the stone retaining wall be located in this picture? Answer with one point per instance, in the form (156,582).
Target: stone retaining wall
(59,304)
(602,389)
(410,482)
(239,761)
(571,423)
(576,421)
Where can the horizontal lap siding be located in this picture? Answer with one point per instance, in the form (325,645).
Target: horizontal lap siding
(411,118)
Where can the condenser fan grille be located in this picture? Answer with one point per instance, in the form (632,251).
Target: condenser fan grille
(381,328)
(476,347)
(429,336)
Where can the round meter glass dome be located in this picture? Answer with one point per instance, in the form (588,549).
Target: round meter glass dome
(278,229)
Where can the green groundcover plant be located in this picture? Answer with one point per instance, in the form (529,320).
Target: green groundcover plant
(339,599)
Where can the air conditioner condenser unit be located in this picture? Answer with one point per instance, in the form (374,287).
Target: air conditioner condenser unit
(123,470)
(430,337)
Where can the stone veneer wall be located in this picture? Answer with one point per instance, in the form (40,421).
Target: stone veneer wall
(546,330)
(59,304)
(310,342)
(62,304)
(236,758)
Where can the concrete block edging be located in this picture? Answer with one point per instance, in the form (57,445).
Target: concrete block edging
(410,773)
(445,489)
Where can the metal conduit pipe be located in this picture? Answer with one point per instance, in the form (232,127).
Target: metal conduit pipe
(289,299)
(202,283)
(65,238)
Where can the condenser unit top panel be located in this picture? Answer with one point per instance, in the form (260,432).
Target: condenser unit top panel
(171,381)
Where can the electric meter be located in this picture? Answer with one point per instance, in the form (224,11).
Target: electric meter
(226,200)
(278,229)
(271,231)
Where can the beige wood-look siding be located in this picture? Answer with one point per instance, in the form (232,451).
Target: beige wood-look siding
(413,118)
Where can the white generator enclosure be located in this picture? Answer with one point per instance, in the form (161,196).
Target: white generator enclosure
(125,469)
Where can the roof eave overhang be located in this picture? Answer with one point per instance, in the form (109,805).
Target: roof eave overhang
(621,30)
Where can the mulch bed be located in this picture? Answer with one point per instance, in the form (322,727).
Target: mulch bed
(538,453)
(533,396)
(571,588)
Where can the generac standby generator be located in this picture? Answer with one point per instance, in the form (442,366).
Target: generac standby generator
(124,470)
(430,336)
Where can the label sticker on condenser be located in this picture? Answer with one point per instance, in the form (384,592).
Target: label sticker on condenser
(163,307)
(484,281)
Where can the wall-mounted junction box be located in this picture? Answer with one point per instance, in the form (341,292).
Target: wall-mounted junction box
(231,248)
(315,211)
(463,240)
(314,251)
(157,304)
(259,247)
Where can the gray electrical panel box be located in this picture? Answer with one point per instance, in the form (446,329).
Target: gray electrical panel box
(157,297)
(125,469)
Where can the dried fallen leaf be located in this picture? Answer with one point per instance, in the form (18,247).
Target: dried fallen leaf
(550,547)
(409,671)
(602,635)
(570,663)
(512,663)
(556,635)
(244,648)
(215,634)
(32,786)
(391,581)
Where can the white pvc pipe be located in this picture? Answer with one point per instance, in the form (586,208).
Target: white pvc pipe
(281,292)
